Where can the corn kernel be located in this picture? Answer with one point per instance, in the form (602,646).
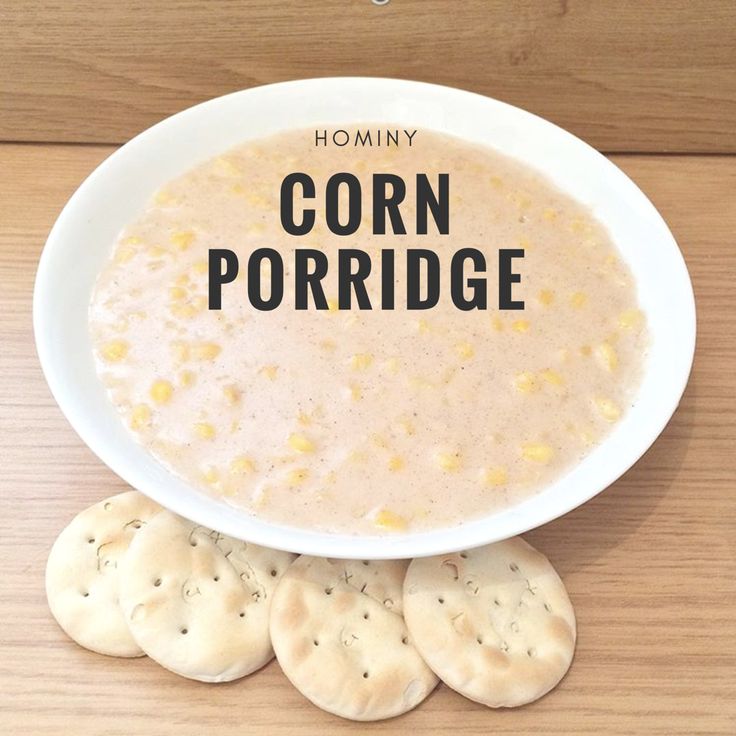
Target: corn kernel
(578,225)
(496,182)
(300,443)
(227,167)
(257,200)
(186,378)
(520,325)
(180,350)
(211,475)
(164,197)
(578,299)
(449,461)
(537,453)
(256,228)
(423,326)
(204,430)
(269,371)
(177,293)
(184,311)
(114,351)
(552,377)
(396,463)
(391,365)
(140,416)
(156,251)
(407,426)
(546,297)
(497,324)
(390,521)
(585,350)
(200,267)
(242,465)
(132,240)
(465,350)
(297,476)
(124,254)
(356,393)
(606,356)
(232,393)
(608,409)
(161,391)
(304,419)
(630,319)
(361,361)
(182,240)
(205,350)
(526,383)
(496,477)
(332,305)
(549,214)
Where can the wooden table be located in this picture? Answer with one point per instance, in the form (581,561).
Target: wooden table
(650,563)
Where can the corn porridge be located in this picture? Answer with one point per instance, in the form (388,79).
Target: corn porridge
(367,421)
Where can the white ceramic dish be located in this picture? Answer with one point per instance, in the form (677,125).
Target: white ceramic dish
(117,190)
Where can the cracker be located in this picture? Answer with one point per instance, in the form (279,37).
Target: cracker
(197,602)
(495,623)
(82,573)
(340,637)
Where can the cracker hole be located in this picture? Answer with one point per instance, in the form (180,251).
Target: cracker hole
(85,594)
(157,582)
(388,602)
(184,631)
(548,608)
(479,639)
(404,639)
(531,652)
(274,573)
(137,525)
(242,614)
(464,555)
(514,567)
(316,643)
(440,601)
(107,506)
(366,562)
(91,540)
(328,591)
(366,615)
(365,675)
(193,543)
(216,578)
(496,602)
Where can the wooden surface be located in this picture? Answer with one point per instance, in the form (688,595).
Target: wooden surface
(625,75)
(650,564)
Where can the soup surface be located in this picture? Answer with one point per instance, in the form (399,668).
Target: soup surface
(367,422)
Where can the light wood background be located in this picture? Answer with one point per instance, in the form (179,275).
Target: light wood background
(650,563)
(625,75)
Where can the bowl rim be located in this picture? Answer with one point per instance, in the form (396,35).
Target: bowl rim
(182,498)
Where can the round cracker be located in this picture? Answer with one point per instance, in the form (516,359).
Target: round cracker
(82,573)
(340,637)
(495,623)
(197,601)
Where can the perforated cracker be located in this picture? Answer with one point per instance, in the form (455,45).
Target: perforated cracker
(495,623)
(83,569)
(340,637)
(197,601)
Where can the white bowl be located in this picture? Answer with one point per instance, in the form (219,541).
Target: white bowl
(80,242)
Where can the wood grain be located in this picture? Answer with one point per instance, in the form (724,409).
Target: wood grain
(650,563)
(626,76)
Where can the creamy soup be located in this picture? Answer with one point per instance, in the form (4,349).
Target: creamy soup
(367,422)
